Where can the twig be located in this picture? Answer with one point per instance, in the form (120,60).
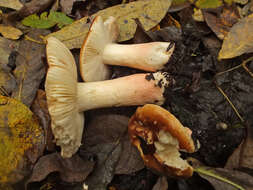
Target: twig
(231,104)
(3,91)
(243,64)
(33,40)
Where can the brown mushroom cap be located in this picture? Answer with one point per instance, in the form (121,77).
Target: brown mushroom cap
(158,135)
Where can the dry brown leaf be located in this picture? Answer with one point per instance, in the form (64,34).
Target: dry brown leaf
(10,32)
(161,184)
(13,4)
(222,22)
(243,155)
(6,47)
(73,169)
(67,5)
(150,13)
(228,179)
(239,39)
(30,68)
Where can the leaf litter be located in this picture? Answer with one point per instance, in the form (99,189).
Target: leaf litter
(209,95)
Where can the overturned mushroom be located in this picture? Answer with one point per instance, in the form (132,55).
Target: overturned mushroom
(98,49)
(67,98)
(158,136)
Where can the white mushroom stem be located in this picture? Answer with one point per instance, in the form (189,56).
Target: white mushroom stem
(100,50)
(148,56)
(125,91)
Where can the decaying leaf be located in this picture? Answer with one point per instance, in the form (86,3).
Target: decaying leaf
(242,157)
(34,6)
(198,15)
(66,5)
(13,4)
(73,169)
(7,82)
(178,5)
(204,4)
(150,13)
(40,109)
(30,67)
(130,160)
(10,32)
(221,23)
(6,47)
(47,21)
(20,136)
(227,179)
(161,184)
(103,140)
(239,39)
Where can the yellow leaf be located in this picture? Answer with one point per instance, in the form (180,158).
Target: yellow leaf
(198,15)
(239,40)
(150,13)
(205,4)
(19,132)
(13,4)
(10,32)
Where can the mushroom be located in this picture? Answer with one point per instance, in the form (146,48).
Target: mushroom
(99,49)
(158,135)
(67,98)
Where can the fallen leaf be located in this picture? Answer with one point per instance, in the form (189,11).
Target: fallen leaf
(103,140)
(239,39)
(161,184)
(13,4)
(40,109)
(7,80)
(222,22)
(47,21)
(30,68)
(242,157)
(228,179)
(33,7)
(150,13)
(6,47)
(66,5)
(10,32)
(140,36)
(130,160)
(7,83)
(243,2)
(198,15)
(21,139)
(73,169)
(205,4)
(178,5)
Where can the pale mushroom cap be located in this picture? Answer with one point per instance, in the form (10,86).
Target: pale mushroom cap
(61,90)
(91,54)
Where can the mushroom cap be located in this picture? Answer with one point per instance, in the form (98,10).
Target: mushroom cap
(91,54)
(158,136)
(61,90)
